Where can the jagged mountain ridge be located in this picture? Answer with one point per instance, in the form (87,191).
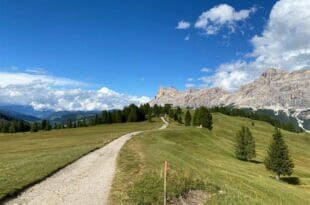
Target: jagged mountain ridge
(275,89)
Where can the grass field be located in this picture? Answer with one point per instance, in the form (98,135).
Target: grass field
(209,156)
(26,158)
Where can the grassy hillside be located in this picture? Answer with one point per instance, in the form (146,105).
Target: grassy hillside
(209,156)
(26,158)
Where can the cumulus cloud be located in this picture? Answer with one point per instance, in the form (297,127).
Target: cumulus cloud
(284,44)
(187,38)
(221,16)
(50,92)
(183,25)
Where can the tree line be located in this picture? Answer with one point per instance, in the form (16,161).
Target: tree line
(131,113)
(202,116)
(255,116)
(14,126)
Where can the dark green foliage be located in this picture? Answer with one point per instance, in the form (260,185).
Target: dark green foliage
(104,117)
(69,123)
(188,118)
(156,110)
(47,126)
(245,144)
(133,114)
(180,120)
(278,159)
(203,117)
(34,127)
(167,108)
(149,116)
(117,116)
(14,126)
(171,114)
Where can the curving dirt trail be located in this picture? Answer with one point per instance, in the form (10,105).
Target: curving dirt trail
(86,181)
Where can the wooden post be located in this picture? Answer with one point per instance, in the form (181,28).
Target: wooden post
(165,182)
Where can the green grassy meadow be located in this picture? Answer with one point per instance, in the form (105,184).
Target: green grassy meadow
(26,158)
(209,156)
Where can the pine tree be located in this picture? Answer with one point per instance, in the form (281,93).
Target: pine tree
(180,120)
(48,126)
(69,123)
(278,159)
(245,144)
(12,127)
(156,110)
(167,108)
(188,118)
(149,116)
(196,120)
(43,124)
(34,127)
(133,114)
(104,117)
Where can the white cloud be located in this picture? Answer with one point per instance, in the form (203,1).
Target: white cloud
(205,69)
(284,44)
(38,71)
(7,78)
(220,16)
(50,92)
(183,25)
(187,38)
(190,79)
(190,85)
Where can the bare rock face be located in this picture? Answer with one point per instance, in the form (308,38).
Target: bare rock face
(274,89)
(189,98)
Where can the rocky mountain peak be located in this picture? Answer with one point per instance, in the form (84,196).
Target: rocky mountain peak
(275,89)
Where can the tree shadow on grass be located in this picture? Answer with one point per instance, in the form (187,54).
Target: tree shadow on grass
(255,161)
(291,180)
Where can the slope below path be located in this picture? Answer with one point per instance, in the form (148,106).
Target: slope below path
(86,181)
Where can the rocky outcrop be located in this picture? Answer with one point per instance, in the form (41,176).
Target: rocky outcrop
(274,89)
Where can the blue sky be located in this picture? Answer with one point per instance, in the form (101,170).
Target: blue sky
(132,47)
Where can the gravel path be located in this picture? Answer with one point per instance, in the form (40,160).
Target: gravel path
(85,182)
(165,125)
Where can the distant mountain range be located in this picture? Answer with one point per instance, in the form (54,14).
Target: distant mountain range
(27,113)
(276,90)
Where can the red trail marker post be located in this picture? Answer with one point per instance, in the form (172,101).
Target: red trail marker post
(165,181)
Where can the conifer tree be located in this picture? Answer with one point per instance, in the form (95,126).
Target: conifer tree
(69,123)
(149,116)
(12,127)
(245,144)
(133,114)
(278,159)
(34,127)
(196,120)
(48,126)
(104,117)
(156,110)
(180,120)
(188,118)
